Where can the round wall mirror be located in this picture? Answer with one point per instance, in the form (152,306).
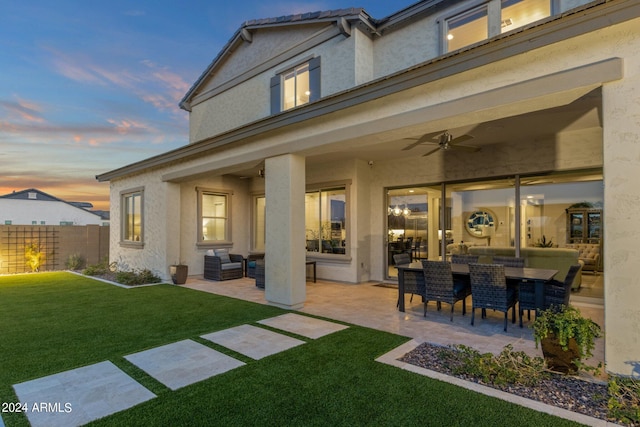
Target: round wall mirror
(481,223)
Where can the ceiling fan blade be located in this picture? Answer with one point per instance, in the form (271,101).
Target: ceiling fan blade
(426,138)
(459,139)
(432,151)
(410,146)
(464,147)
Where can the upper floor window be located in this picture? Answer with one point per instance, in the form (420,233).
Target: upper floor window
(480,23)
(517,13)
(467,28)
(296,86)
(213,216)
(132,216)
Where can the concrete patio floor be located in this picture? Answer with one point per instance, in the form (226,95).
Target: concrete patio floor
(375,307)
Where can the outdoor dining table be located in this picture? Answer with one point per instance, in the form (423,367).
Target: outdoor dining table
(536,275)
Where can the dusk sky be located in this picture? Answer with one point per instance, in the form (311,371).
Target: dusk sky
(89,86)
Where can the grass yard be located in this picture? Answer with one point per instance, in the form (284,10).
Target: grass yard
(53,322)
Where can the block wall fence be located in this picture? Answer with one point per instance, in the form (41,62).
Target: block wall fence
(56,243)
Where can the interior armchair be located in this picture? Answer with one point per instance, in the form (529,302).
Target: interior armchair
(589,255)
(221,265)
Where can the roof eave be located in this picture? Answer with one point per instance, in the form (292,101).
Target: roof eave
(244,35)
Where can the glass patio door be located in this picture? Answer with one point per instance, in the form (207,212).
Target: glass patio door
(412,212)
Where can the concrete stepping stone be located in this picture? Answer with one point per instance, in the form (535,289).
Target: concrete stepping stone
(309,327)
(183,363)
(79,396)
(252,341)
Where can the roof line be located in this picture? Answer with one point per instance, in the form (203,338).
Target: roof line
(596,15)
(243,34)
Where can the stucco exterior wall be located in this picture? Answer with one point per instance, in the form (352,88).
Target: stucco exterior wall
(621,145)
(267,43)
(230,109)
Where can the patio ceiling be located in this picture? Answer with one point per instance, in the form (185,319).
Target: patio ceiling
(581,114)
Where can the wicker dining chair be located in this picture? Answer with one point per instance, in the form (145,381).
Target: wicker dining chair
(489,291)
(413,280)
(464,259)
(440,286)
(555,293)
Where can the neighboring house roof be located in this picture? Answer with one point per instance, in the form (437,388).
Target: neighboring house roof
(35,194)
(31,194)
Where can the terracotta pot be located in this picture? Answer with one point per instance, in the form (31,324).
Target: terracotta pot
(179,274)
(557,358)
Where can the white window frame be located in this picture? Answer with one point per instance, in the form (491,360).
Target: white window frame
(227,242)
(494,18)
(327,186)
(131,194)
(295,72)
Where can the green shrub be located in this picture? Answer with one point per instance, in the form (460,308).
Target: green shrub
(509,367)
(624,400)
(98,269)
(75,262)
(136,277)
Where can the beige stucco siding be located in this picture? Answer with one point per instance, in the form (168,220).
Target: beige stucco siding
(249,101)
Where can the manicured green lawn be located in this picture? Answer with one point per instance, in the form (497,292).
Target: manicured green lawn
(53,322)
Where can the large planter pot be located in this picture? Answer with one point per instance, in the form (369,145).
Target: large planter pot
(179,274)
(559,359)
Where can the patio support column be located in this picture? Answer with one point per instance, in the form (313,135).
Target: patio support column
(285,253)
(621,155)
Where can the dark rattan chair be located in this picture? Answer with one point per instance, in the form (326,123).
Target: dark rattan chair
(259,273)
(555,293)
(440,286)
(413,280)
(251,264)
(222,265)
(489,291)
(464,259)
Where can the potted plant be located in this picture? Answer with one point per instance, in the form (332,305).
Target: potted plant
(179,273)
(566,337)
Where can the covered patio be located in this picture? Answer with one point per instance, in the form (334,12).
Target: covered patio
(373,305)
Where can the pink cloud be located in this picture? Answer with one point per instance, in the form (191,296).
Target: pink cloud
(23,110)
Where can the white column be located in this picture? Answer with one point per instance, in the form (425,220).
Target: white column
(285,253)
(621,153)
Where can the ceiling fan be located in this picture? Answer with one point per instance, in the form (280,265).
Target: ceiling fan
(444,141)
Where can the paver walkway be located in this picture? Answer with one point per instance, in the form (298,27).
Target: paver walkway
(79,396)
(303,325)
(252,341)
(183,363)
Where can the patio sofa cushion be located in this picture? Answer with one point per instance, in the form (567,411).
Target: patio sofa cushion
(223,254)
(230,265)
(560,259)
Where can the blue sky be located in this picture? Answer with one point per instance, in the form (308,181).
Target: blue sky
(90,86)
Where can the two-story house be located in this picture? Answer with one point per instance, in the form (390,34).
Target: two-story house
(336,137)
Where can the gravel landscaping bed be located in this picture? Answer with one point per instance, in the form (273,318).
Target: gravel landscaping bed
(571,393)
